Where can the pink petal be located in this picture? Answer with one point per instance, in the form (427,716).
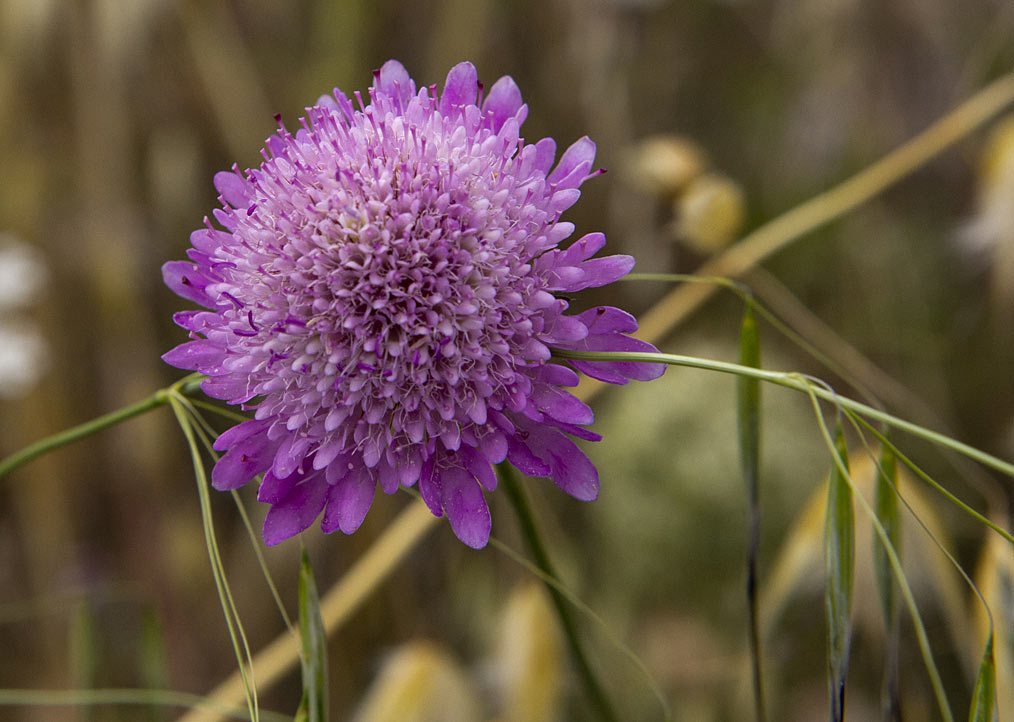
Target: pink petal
(581,152)
(184,279)
(583,248)
(479,466)
(246,459)
(610,371)
(557,375)
(289,456)
(232,388)
(465,506)
(560,405)
(393,80)
(387,476)
(233,188)
(295,512)
(563,329)
(570,469)
(503,101)
(201,355)
(274,490)
(494,446)
(545,152)
(208,240)
(606,319)
(603,271)
(348,501)
(522,458)
(237,433)
(429,487)
(460,88)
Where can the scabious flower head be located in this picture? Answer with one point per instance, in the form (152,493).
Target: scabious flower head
(383,292)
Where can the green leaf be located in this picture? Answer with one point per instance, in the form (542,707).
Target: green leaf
(748,402)
(885,504)
(839,562)
(313,654)
(984,707)
(83,639)
(152,663)
(748,424)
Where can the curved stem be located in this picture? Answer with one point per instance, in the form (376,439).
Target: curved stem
(833,203)
(159,398)
(798,382)
(523,510)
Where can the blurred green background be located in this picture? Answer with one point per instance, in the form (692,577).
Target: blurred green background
(115,114)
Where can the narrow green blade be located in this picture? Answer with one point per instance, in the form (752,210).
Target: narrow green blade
(748,418)
(984,707)
(885,505)
(153,667)
(748,403)
(839,561)
(313,654)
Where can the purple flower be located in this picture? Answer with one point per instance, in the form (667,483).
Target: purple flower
(384,295)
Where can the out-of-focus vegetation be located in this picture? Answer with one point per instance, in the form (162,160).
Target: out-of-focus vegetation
(114,117)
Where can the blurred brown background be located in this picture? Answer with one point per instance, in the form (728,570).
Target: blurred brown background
(115,114)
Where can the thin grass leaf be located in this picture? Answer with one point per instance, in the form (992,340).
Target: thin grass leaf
(860,421)
(597,697)
(804,384)
(205,432)
(839,565)
(885,504)
(313,653)
(984,707)
(906,590)
(255,544)
(153,668)
(120,697)
(748,404)
(84,650)
(995,578)
(184,413)
(610,634)
(886,508)
(748,417)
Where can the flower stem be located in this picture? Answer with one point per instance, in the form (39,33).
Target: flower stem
(825,207)
(519,500)
(187,385)
(799,382)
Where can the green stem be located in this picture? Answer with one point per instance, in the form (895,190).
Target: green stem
(519,500)
(122,697)
(187,385)
(125,697)
(798,382)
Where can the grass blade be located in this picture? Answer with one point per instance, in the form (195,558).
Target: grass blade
(84,642)
(313,653)
(885,505)
(748,417)
(984,707)
(839,562)
(237,635)
(152,663)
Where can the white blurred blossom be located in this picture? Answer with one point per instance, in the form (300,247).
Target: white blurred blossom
(22,273)
(23,352)
(23,349)
(990,233)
